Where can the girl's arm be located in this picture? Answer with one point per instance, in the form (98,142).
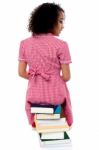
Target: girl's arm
(65,72)
(22,70)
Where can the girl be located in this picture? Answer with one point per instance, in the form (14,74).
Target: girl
(46,55)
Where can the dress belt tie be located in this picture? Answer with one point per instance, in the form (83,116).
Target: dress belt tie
(34,72)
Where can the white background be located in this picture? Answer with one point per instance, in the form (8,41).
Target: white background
(82,34)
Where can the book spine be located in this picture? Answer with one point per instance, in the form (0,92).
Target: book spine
(52,135)
(42,110)
(47,116)
(51,127)
(56,142)
(52,130)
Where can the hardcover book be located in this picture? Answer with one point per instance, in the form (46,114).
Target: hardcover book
(47,116)
(52,135)
(51,125)
(43,108)
(66,140)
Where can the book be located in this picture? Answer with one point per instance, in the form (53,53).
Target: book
(55,129)
(51,125)
(61,121)
(52,135)
(45,108)
(66,140)
(66,146)
(47,116)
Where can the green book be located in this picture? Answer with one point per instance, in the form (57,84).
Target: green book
(65,137)
(66,140)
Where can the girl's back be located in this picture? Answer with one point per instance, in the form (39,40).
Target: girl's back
(43,54)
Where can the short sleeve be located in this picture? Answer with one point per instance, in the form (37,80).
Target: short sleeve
(22,56)
(64,54)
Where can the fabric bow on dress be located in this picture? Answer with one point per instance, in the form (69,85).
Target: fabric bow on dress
(35,72)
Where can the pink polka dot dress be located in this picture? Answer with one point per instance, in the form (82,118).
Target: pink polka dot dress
(44,54)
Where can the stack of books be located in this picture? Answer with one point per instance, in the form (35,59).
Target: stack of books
(51,128)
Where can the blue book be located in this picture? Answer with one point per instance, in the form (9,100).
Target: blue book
(57,109)
(45,108)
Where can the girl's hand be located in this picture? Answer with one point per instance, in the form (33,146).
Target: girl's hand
(22,70)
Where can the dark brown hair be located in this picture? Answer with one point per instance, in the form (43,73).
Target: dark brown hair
(44,17)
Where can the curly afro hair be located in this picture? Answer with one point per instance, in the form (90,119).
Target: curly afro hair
(44,18)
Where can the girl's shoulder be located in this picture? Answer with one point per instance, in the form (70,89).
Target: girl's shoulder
(28,39)
(51,39)
(60,41)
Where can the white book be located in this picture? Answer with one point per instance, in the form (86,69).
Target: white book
(52,135)
(45,108)
(60,121)
(67,146)
(47,116)
(56,142)
(42,110)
